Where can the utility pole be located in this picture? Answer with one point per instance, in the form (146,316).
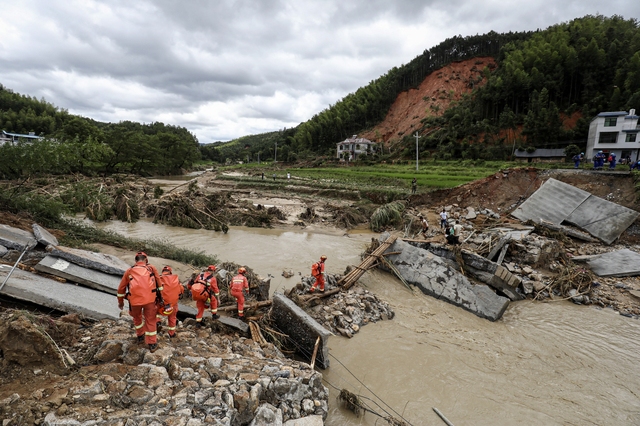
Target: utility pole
(258,158)
(275,155)
(417,137)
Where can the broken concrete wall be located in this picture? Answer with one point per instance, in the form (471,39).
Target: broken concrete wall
(98,261)
(301,328)
(433,276)
(534,250)
(16,239)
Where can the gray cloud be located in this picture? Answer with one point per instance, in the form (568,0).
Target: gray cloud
(228,68)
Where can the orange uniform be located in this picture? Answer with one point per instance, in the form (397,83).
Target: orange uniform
(317,270)
(171,294)
(141,285)
(208,279)
(239,284)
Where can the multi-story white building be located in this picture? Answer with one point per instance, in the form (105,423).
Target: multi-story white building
(615,132)
(352,148)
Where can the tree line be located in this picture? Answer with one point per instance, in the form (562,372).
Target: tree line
(74,144)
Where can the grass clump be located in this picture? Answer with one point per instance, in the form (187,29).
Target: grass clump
(388,215)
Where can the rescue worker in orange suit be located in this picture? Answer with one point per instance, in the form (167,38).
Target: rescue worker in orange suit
(171,293)
(141,285)
(205,292)
(240,287)
(317,270)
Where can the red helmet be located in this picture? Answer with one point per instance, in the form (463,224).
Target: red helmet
(242,270)
(168,269)
(211,268)
(165,310)
(141,253)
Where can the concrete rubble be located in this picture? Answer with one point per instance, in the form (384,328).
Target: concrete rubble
(347,311)
(197,378)
(619,263)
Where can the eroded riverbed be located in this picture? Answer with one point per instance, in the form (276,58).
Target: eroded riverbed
(549,363)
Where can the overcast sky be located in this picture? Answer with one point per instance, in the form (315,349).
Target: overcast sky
(227,68)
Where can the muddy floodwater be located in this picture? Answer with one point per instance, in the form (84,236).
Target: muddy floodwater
(551,363)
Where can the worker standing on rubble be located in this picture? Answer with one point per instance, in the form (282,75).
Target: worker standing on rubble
(205,292)
(317,270)
(425,225)
(141,285)
(172,292)
(240,287)
(443,218)
(457,232)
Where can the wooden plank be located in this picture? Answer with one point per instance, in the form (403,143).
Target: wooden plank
(502,253)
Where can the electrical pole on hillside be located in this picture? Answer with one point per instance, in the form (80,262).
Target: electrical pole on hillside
(417,137)
(275,155)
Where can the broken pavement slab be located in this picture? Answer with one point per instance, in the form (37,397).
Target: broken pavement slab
(64,297)
(235,323)
(43,236)
(97,280)
(436,278)
(301,328)
(16,239)
(620,263)
(98,261)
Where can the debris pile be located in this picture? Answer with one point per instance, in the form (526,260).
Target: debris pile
(198,377)
(343,312)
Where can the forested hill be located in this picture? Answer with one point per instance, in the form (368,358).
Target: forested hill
(576,69)
(76,144)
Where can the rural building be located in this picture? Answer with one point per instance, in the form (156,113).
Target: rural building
(615,132)
(15,137)
(351,148)
(541,156)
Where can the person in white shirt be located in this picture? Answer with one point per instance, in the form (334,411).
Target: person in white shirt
(443,219)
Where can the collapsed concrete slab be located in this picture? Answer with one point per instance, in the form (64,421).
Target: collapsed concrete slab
(3,251)
(620,263)
(97,280)
(478,267)
(602,219)
(43,236)
(433,276)
(556,202)
(64,297)
(553,201)
(301,328)
(98,261)
(235,323)
(16,239)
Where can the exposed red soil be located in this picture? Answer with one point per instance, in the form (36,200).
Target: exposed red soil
(431,98)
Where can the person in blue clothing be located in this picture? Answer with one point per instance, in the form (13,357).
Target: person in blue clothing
(598,161)
(612,161)
(635,165)
(576,159)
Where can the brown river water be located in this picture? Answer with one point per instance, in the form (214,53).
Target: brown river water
(552,363)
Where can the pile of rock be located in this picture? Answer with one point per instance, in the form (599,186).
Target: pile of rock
(197,378)
(345,312)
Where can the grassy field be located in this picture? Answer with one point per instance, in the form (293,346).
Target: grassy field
(431,175)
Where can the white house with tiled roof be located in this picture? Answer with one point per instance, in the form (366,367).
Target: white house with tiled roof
(351,148)
(616,132)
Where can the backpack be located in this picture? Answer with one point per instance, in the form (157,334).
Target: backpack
(610,159)
(315,269)
(142,286)
(199,292)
